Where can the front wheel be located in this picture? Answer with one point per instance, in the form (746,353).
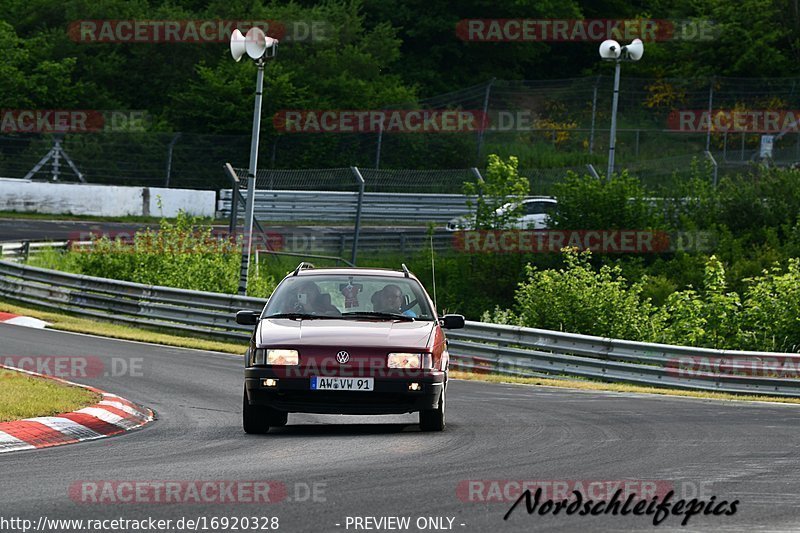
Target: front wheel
(254,419)
(434,419)
(257,419)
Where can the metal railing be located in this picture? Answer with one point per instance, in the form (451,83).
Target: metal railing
(179,310)
(337,206)
(520,351)
(480,347)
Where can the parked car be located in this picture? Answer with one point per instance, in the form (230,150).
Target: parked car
(346,341)
(536,214)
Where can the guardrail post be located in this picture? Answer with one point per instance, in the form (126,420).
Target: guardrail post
(403,243)
(25,251)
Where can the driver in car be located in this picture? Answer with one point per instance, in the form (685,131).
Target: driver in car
(390,300)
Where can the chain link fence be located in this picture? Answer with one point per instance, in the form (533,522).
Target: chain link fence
(551,125)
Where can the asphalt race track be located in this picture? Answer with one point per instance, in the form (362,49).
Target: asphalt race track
(338,467)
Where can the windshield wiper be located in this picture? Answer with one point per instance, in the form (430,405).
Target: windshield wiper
(377,314)
(301,316)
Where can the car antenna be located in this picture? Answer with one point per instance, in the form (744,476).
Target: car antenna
(405,269)
(433,275)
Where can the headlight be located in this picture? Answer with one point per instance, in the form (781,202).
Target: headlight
(275,357)
(283,357)
(405,360)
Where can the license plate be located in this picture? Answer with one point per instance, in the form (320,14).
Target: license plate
(351,384)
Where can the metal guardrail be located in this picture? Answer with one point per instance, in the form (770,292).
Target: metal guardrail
(179,310)
(480,347)
(513,350)
(335,206)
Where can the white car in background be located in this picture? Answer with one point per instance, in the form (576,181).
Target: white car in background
(536,214)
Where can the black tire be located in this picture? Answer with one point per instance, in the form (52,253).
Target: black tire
(254,418)
(275,418)
(434,419)
(257,419)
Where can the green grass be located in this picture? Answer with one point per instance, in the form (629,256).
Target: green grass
(24,396)
(65,322)
(88,218)
(616,387)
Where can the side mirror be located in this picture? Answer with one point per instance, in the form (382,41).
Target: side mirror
(453,321)
(247,318)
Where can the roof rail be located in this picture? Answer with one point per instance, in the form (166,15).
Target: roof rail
(302,266)
(405,269)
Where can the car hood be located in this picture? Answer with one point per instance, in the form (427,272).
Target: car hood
(351,333)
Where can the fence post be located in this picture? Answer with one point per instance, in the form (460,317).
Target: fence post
(710,107)
(594,114)
(741,155)
(360,179)
(170,149)
(484,121)
(716,167)
(379,148)
(725,146)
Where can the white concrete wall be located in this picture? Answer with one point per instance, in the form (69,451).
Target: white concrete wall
(101,200)
(197,203)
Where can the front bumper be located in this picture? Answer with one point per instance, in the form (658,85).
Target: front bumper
(390,395)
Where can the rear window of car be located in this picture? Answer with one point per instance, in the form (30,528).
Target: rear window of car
(357,293)
(540,208)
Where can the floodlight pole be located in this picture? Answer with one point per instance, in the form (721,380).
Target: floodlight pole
(251,182)
(613,140)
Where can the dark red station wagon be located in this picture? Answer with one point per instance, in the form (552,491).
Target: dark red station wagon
(346,341)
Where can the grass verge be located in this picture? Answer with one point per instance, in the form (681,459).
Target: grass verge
(24,396)
(617,387)
(75,324)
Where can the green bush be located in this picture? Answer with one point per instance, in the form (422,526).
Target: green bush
(579,299)
(182,254)
(586,203)
(711,317)
(772,310)
(502,184)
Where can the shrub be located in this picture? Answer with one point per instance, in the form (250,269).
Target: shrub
(180,254)
(586,203)
(502,184)
(579,299)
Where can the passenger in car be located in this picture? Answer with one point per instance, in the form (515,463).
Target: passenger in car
(307,298)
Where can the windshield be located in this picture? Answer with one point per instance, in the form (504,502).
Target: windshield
(355,296)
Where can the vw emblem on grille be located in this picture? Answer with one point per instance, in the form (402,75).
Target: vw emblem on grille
(342,357)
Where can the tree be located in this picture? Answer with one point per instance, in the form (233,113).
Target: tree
(502,185)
